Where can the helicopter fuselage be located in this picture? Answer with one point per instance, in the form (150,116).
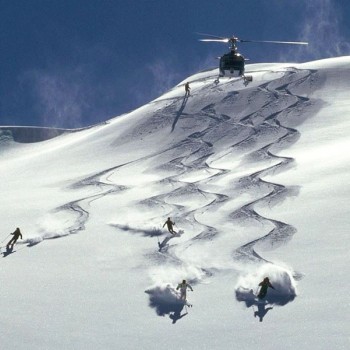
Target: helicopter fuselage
(231,65)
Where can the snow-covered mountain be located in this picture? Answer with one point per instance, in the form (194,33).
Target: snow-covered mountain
(256,178)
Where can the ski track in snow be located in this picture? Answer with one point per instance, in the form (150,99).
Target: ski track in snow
(281,232)
(248,133)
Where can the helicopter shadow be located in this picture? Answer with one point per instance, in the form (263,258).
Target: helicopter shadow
(180,112)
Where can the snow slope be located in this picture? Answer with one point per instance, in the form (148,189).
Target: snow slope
(256,178)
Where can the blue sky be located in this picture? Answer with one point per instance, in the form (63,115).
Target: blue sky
(72,63)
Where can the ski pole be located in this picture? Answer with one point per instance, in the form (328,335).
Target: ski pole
(6,237)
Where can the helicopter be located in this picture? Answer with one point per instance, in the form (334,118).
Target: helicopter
(232,63)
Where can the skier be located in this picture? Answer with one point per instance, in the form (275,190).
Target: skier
(187,89)
(170,224)
(265,284)
(183,289)
(16,234)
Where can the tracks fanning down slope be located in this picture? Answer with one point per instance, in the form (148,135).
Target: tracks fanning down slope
(201,160)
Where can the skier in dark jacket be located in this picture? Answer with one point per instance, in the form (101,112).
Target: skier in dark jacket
(265,284)
(170,224)
(16,234)
(187,89)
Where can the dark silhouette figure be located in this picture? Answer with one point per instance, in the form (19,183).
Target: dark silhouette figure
(164,244)
(180,112)
(176,315)
(170,224)
(187,89)
(264,285)
(262,311)
(16,234)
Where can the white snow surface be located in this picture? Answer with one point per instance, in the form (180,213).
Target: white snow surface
(256,178)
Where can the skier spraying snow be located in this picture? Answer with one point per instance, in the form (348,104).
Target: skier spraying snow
(183,289)
(16,234)
(170,224)
(265,284)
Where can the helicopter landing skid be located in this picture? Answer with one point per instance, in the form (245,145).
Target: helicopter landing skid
(247,78)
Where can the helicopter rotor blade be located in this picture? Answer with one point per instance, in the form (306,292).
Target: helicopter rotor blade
(213,36)
(274,42)
(233,39)
(216,40)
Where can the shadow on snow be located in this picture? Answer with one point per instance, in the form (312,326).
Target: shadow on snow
(179,112)
(279,297)
(164,243)
(165,301)
(155,232)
